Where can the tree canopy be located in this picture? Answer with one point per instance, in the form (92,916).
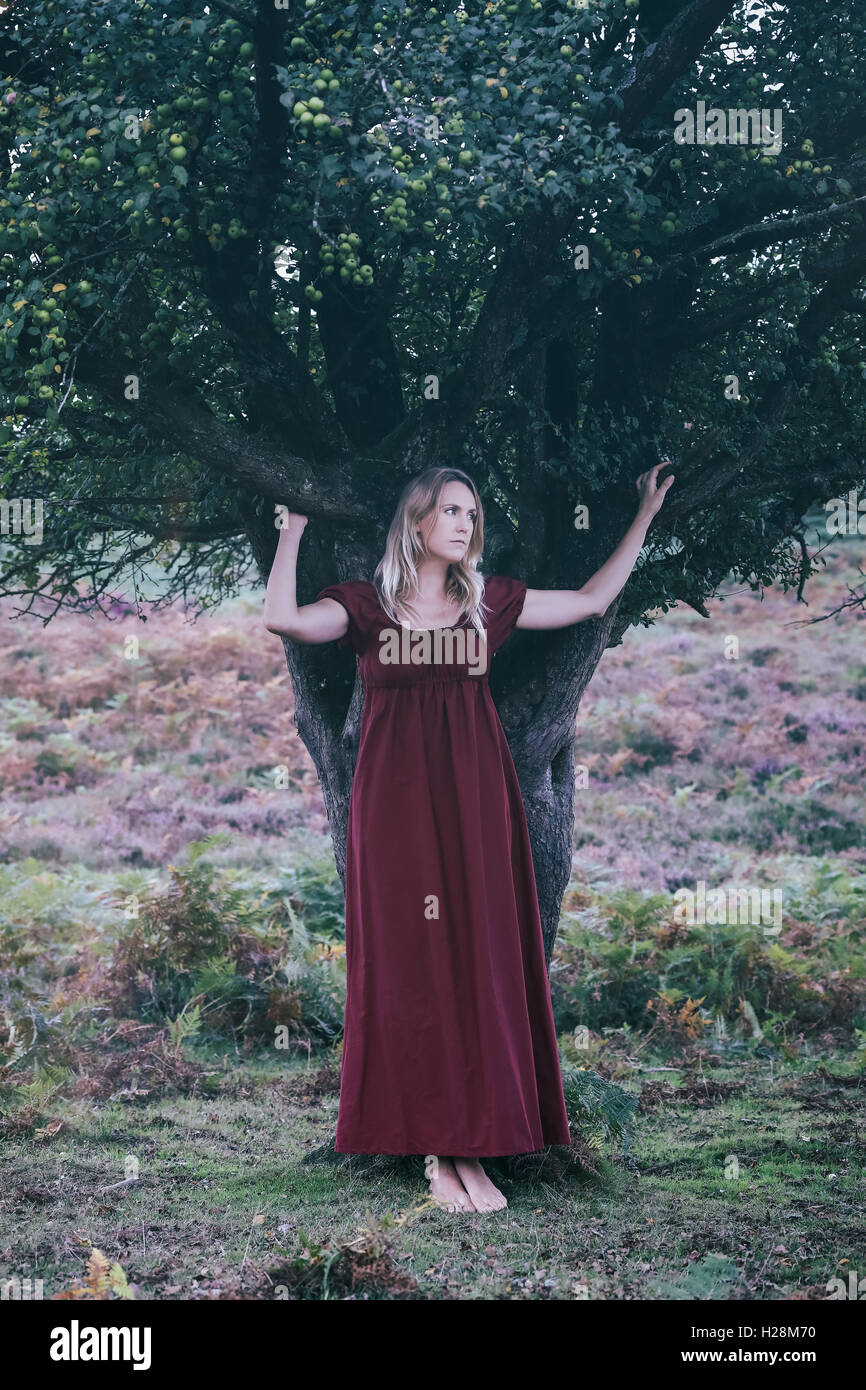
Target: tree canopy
(294,252)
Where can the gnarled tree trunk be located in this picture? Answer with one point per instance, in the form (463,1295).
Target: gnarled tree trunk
(536,680)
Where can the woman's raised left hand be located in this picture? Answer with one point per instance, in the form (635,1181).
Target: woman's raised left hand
(652,494)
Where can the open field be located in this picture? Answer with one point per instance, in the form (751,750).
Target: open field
(171,1009)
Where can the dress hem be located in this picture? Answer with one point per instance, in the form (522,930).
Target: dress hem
(463,1152)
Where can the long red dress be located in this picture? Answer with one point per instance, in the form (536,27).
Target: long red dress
(449,1045)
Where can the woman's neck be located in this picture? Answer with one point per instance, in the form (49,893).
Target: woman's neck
(432,583)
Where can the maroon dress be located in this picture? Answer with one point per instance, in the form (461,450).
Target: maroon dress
(449,1045)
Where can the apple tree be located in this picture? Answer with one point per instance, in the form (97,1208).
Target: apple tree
(271,252)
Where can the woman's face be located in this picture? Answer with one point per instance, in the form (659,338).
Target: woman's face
(454,522)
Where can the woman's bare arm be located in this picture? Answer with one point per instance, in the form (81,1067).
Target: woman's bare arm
(323,621)
(545,608)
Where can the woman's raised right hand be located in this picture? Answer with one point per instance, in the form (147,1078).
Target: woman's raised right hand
(294,525)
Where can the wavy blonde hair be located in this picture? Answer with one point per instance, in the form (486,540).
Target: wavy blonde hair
(396,576)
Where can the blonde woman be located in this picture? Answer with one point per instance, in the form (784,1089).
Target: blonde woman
(449,1047)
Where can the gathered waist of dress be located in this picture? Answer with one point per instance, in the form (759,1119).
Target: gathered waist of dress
(446,676)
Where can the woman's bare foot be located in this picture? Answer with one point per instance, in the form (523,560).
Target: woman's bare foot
(445,1185)
(485,1194)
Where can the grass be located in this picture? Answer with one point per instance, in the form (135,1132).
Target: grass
(758,1163)
(714,1073)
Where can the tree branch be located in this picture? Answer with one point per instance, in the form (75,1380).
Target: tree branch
(231,10)
(710,323)
(721,471)
(512,294)
(254,462)
(663,61)
(761,234)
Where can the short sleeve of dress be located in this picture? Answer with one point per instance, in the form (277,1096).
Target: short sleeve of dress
(504,598)
(358,597)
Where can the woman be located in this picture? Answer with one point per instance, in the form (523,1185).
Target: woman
(449,1047)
